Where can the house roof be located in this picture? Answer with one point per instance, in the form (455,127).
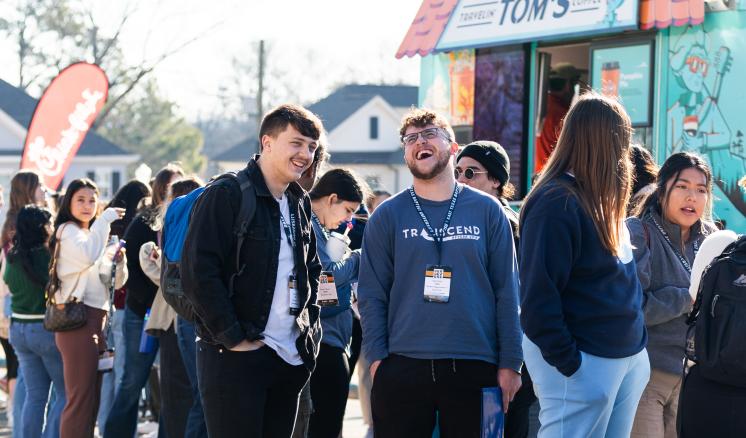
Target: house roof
(20,107)
(387,157)
(239,152)
(342,103)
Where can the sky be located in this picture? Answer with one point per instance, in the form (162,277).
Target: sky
(315,44)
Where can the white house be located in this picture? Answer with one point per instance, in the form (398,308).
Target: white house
(362,122)
(97,158)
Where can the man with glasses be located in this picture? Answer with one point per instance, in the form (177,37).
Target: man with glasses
(485,166)
(438,295)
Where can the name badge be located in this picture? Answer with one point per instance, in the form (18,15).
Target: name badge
(327,293)
(438,283)
(295,305)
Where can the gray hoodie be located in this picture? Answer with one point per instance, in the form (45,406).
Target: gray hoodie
(665,284)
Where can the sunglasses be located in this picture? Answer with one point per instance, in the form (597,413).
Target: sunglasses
(427,134)
(469,173)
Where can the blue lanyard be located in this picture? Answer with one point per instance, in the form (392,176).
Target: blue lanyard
(289,235)
(437,238)
(323,229)
(682,259)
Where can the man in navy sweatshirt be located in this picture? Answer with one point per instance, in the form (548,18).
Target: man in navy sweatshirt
(438,295)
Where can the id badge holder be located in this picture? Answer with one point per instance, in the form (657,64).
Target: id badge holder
(438,283)
(327,293)
(295,305)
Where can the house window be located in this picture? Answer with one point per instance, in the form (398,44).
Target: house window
(116,181)
(374,128)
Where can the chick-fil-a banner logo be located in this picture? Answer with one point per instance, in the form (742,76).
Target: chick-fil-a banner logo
(62,119)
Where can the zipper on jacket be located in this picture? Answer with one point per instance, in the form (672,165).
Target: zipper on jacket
(712,308)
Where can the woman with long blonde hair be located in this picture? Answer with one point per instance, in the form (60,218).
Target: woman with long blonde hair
(581,302)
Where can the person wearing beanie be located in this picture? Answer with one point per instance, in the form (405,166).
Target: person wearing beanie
(485,166)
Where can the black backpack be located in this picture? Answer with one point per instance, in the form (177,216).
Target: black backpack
(171,286)
(716,339)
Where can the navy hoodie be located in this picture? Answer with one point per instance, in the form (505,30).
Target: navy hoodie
(575,295)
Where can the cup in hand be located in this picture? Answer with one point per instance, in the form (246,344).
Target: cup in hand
(337,246)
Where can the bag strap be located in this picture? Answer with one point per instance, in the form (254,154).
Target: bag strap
(54,279)
(245,214)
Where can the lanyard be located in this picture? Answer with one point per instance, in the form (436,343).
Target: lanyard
(437,238)
(682,259)
(289,235)
(323,229)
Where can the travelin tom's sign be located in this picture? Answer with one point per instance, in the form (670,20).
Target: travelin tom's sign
(482,23)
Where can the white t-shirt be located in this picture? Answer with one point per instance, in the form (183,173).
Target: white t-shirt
(281,331)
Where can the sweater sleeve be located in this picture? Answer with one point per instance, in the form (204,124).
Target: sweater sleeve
(151,268)
(374,286)
(503,270)
(662,304)
(81,250)
(550,241)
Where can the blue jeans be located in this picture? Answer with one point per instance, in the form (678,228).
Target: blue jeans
(42,365)
(122,418)
(111,380)
(19,397)
(195,427)
(599,400)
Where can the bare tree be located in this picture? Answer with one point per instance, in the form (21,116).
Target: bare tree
(51,34)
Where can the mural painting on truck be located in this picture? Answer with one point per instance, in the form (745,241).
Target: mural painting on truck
(705,104)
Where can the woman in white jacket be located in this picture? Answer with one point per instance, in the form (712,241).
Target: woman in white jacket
(82,242)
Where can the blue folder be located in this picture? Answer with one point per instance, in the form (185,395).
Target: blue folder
(493,417)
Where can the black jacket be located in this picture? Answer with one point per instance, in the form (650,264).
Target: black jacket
(140,289)
(208,261)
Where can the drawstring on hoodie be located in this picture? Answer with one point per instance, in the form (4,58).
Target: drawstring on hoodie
(432,367)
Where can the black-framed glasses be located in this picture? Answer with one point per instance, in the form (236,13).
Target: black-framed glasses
(427,134)
(469,173)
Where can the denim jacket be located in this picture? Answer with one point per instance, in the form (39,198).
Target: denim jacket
(208,261)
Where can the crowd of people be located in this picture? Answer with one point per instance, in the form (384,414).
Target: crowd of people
(287,279)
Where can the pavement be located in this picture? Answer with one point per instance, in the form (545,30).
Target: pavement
(353,426)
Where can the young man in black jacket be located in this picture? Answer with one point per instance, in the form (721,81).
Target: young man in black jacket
(258,339)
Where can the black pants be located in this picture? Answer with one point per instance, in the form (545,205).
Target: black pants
(176,391)
(407,393)
(710,409)
(516,421)
(248,394)
(330,385)
(356,344)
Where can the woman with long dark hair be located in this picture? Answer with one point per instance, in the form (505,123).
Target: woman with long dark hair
(41,364)
(581,302)
(334,199)
(668,230)
(78,244)
(644,171)
(122,418)
(129,197)
(26,187)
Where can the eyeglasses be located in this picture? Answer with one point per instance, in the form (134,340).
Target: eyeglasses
(427,134)
(469,173)
(696,64)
